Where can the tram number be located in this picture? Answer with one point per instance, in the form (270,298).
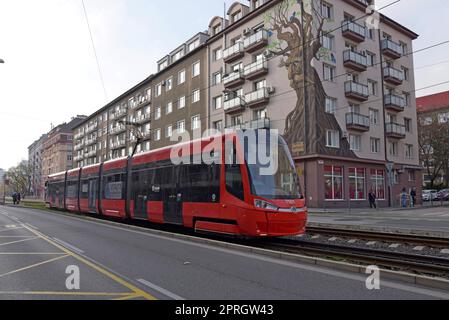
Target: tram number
(246,310)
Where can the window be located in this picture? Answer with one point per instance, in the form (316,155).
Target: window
(169,108)
(182,103)
(181,77)
(260,114)
(216,78)
(196,96)
(375,145)
(378,183)
(331,105)
(374,116)
(406,73)
(404,47)
(357,184)
(328,72)
(218,102)
(409,151)
(411,175)
(181,126)
(234,180)
(355,142)
(333,183)
(194,45)
(394,149)
(407,98)
(196,69)
(237,16)
(114,186)
(371,58)
(218,54)
(328,42)
(332,139)
(218,125)
(217,29)
(157,114)
(372,87)
(168,131)
(326,11)
(169,84)
(163,65)
(178,55)
(196,124)
(157,134)
(158,89)
(370,33)
(408,125)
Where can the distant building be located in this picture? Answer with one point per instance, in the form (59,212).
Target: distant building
(432,108)
(2,173)
(35,155)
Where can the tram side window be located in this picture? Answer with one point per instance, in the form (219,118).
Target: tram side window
(154,185)
(84,192)
(72,189)
(113,186)
(203,182)
(234,180)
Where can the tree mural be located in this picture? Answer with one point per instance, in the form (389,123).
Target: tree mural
(296,26)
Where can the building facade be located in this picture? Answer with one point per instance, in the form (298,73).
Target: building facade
(433,108)
(35,157)
(174,98)
(340,90)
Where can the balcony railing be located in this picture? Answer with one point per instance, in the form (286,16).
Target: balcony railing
(118,114)
(357,121)
(257,124)
(256,41)
(91,141)
(234,104)
(394,76)
(78,158)
(395,130)
(92,153)
(78,136)
(118,129)
(143,118)
(257,97)
(118,144)
(92,127)
(233,78)
(79,146)
(391,48)
(353,31)
(234,52)
(395,102)
(356,90)
(355,60)
(255,69)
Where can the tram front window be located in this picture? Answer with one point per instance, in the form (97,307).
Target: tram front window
(282,183)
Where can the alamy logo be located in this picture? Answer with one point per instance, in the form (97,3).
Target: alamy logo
(373,19)
(373,280)
(73,280)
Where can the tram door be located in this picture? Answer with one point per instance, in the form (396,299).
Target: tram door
(93,195)
(140,187)
(172,196)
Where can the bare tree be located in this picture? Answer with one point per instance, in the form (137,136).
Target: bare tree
(19,178)
(434,148)
(299,29)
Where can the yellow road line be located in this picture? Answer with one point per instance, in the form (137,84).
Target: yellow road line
(8,237)
(68,293)
(129,297)
(17,241)
(33,266)
(31,253)
(108,274)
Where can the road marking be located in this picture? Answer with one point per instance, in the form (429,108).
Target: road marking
(10,229)
(31,226)
(34,265)
(17,241)
(133,296)
(31,253)
(161,290)
(68,293)
(18,237)
(68,246)
(103,271)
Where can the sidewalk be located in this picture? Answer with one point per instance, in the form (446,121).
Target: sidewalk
(368,210)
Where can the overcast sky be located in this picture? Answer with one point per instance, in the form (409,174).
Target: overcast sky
(50,72)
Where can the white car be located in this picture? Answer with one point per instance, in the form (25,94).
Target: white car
(429,195)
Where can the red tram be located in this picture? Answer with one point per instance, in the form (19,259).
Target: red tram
(222,197)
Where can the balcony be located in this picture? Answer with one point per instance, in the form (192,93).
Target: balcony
(78,158)
(118,129)
(118,114)
(356,91)
(258,124)
(257,98)
(355,60)
(395,131)
(235,104)
(233,79)
(357,122)
(146,135)
(394,102)
(92,127)
(92,153)
(233,53)
(118,144)
(393,76)
(143,118)
(256,41)
(91,141)
(353,31)
(391,49)
(78,136)
(78,146)
(256,69)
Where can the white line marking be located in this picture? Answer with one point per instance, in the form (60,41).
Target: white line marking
(31,226)
(160,290)
(68,246)
(12,242)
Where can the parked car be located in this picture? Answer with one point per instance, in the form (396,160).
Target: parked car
(429,195)
(443,195)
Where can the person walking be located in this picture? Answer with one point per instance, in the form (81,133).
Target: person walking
(14,198)
(18,198)
(372,200)
(404,198)
(413,197)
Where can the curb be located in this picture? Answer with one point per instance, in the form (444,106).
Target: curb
(430,282)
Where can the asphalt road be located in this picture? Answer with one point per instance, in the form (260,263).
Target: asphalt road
(36,247)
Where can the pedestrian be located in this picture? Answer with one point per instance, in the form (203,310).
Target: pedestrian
(413,197)
(18,198)
(14,198)
(404,198)
(372,200)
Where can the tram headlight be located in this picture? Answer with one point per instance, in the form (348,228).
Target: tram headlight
(265,205)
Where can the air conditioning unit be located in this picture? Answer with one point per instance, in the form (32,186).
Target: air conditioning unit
(268,54)
(247,31)
(345,135)
(271,90)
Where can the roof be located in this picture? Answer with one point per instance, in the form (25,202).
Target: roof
(433,102)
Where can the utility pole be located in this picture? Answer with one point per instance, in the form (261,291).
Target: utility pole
(306,104)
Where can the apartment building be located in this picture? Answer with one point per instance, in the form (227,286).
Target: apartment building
(57,149)
(433,108)
(173,99)
(35,158)
(344,100)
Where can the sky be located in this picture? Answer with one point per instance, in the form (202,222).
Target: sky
(51,75)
